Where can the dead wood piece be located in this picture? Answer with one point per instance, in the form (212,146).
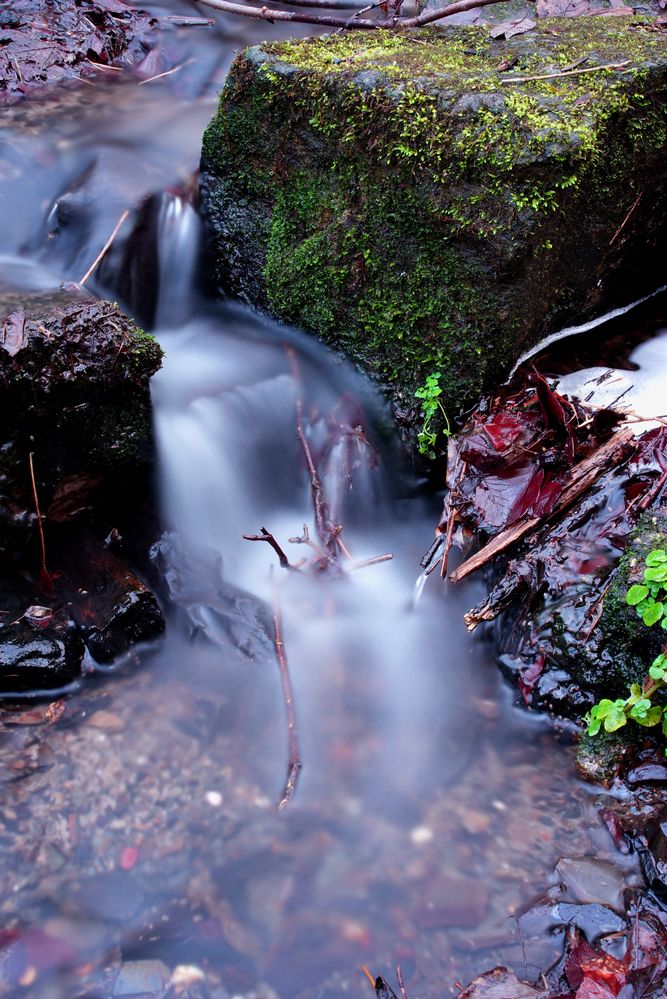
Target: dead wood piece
(294,763)
(615,450)
(269,538)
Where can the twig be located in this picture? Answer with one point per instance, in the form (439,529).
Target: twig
(104,249)
(583,475)
(168,72)
(269,538)
(569,72)
(370,561)
(45,571)
(626,219)
(324,530)
(368,976)
(401,984)
(294,763)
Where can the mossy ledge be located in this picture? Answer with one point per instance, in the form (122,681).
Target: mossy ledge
(398,196)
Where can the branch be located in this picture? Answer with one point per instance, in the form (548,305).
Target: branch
(571,72)
(294,763)
(393,23)
(268,14)
(269,538)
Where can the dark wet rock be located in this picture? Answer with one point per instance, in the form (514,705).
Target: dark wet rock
(592,919)
(112,606)
(73,393)
(589,880)
(43,43)
(38,658)
(397,197)
(40,649)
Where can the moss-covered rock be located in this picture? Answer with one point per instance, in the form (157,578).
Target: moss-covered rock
(74,394)
(405,198)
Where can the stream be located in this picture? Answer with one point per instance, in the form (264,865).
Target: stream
(141,844)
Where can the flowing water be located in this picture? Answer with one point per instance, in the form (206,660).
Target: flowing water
(140,835)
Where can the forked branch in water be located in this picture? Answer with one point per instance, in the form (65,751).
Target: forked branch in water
(395,22)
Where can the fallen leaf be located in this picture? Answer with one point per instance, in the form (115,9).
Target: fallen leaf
(13,333)
(508,29)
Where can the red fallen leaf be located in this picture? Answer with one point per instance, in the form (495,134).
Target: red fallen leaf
(585,962)
(129,857)
(590,989)
(13,333)
(526,500)
(496,495)
(615,828)
(546,501)
(528,678)
(550,403)
(504,428)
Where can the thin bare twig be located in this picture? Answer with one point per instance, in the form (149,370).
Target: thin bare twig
(570,72)
(294,763)
(322,524)
(269,538)
(626,219)
(401,983)
(105,248)
(45,571)
(168,72)
(375,560)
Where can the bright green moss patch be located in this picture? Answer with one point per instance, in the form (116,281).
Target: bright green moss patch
(391,193)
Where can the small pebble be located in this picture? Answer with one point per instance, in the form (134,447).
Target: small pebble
(214,798)
(420,835)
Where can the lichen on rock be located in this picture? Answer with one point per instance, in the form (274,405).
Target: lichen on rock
(407,200)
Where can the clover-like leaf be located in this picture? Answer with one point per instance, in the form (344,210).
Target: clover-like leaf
(653,614)
(652,717)
(655,575)
(636,594)
(656,557)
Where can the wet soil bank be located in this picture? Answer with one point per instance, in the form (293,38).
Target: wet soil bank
(558,502)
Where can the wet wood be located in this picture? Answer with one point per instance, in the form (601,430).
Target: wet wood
(618,448)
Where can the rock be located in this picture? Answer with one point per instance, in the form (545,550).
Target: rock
(44,659)
(589,880)
(499,984)
(401,198)
(73,393)
(36,652)
(145,978)
(112,606)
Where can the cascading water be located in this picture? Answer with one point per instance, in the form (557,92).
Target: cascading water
(144,829)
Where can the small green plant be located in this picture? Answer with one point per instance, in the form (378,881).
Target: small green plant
(649,598)
(429,393)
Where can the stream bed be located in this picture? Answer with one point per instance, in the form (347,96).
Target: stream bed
(141,847)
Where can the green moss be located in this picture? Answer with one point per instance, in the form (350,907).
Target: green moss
(396,195)
(144,355)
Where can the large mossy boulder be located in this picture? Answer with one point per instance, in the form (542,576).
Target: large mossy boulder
(74,401)
(413,200)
